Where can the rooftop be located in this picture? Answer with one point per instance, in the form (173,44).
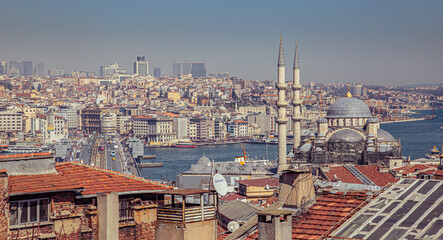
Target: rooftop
(91,180)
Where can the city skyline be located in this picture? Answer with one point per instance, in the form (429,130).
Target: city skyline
(384,43)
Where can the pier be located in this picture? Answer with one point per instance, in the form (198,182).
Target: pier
(404,120)
(150,165)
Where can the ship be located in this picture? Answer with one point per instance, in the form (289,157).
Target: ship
(184,145)
(23,149)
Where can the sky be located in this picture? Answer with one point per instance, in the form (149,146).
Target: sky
(392,42)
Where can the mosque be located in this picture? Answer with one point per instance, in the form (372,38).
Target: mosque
(349,134)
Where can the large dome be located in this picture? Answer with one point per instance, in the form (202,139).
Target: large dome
(346,135)
(384,136)
(348,107)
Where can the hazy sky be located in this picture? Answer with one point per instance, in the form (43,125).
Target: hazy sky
(374,42)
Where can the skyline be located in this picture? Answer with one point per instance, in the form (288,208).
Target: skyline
(382,43)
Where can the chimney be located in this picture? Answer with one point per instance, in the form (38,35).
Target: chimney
(108,216)
(274,225)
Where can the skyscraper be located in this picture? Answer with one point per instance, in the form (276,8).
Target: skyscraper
(187,67)
(40,69)
(176,69)
(25,68)
(157,72)
(3,68)
(141,66)
(198,70)
(14,68)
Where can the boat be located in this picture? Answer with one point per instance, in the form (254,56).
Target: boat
(23,149)
(434,155)
(246,159)
(441,128)
(184,145)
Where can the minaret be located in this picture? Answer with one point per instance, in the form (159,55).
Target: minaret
(281,104)
(296,102)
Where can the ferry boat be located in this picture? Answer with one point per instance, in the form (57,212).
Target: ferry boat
(184,145)
(434,155)
(23,149)
(245,158)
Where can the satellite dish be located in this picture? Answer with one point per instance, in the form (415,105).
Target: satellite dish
(220,185)
(233,225)
(267,187)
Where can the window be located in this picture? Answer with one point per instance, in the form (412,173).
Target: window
(29,211)
(125,209)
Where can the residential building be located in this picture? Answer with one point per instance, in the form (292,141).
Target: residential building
(71,115)
(11,122)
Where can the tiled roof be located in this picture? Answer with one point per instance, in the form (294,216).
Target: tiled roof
(73,175)
(412,168)
(379,178)
(328,213)
(261,182)
(232,196)
(342,174)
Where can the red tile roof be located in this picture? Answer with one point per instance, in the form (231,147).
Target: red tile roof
(373,172)
(328,212)
(231,197)
(261,182)
(340,173)
(71,175)
(412,168)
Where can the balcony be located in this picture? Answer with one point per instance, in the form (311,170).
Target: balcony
(187,212)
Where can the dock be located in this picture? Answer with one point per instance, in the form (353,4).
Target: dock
(148,157)
(150,165)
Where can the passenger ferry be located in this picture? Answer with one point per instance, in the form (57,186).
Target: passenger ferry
(184,145)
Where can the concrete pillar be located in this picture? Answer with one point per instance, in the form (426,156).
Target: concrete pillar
(108,216)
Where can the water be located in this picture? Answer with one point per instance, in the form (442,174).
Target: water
(417,139)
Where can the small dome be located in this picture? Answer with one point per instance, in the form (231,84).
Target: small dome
(348,107)
(373,120)
(318,149)
(204,161)
(346,135)
(305,147)
(322,120)
(384,136)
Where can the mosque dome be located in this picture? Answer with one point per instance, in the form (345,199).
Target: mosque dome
(348,107)
(204,161)
(384,136)
(346,135)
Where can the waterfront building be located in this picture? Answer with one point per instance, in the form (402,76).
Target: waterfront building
(349,135)
(198,70)
(180,127)
(156,130)
(176,69)
(141,66)
(200,129)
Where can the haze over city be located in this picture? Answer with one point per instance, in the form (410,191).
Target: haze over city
(373,42)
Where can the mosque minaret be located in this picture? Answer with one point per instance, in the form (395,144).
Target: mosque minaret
(281,104)
(296,102)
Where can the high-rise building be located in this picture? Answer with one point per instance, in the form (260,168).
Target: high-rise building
(3,68)
(111,69)
(141,66)
(26,68)
(198,70)
(14,68)
(176,69)
(40,69)
(157,72)
(187,67)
